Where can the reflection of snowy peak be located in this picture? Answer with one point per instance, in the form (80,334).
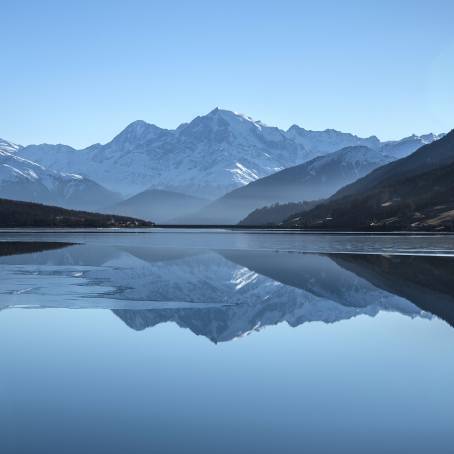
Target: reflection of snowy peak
(238,298)
(22,179)
(277,304)
(203,278)
(221,324)
(218,294)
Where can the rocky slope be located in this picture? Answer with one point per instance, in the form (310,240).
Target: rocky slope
(316,179)
(415,192)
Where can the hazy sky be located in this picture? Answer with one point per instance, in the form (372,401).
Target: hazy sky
(78,72)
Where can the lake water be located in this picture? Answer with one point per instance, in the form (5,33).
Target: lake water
(222,342)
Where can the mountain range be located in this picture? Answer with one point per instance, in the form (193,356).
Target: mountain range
(205,158)
(22,179)
(315,179)
(212,154)
(415,192)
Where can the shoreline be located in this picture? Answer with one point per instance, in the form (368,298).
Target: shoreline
(219,229)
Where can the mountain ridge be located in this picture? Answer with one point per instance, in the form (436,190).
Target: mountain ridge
(415,192)
(22,179)
(315,179)
(212,154)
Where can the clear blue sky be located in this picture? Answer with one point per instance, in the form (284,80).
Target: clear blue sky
(78,72)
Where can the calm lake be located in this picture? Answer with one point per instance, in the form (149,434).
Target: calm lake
(174,341)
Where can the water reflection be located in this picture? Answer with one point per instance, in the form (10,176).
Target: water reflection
(223,294)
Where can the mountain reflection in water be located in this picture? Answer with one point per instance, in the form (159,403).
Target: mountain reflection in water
(223,294)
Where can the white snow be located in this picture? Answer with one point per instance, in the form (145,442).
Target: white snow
(242,174)
(22,178)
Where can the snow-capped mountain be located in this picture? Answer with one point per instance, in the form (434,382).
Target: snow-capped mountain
(210,155)
(329,140)
(207,157)
(406,146)
(313,180)
(22,179)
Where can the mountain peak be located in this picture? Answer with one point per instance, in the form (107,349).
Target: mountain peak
(215,111)
(230,115)
(140,126)
(221,125)
(138,131)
